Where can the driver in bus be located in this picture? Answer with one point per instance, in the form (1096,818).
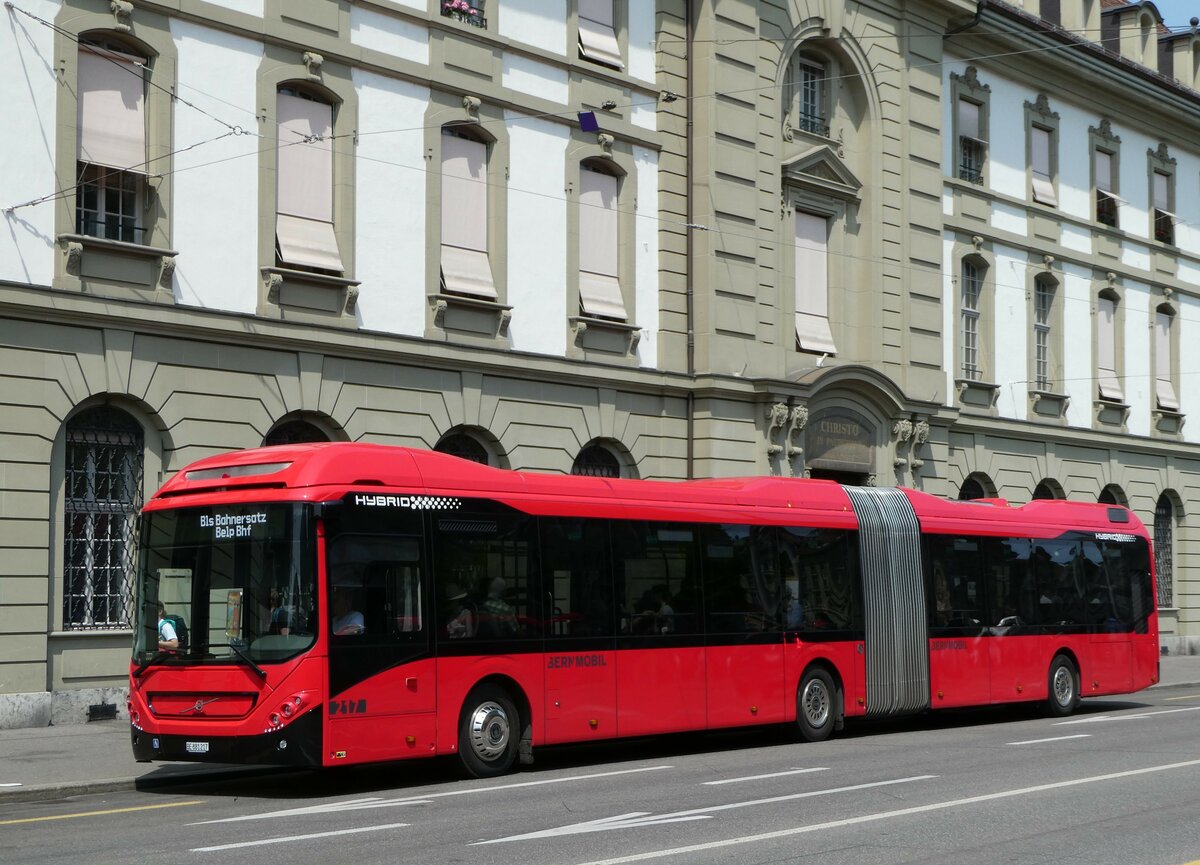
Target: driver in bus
(346,619)
(168,639)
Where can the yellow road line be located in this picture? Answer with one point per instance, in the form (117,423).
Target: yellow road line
(97,813)
(1188,697)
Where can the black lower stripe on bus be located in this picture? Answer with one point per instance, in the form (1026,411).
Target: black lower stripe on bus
(297,744)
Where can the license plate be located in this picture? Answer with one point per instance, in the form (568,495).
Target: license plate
(197,747)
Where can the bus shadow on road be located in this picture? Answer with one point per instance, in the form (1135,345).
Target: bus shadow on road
(304,784)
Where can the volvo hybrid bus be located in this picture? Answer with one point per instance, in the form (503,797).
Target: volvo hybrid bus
(348,603)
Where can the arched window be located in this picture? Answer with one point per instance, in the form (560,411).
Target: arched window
(1048,489)
(105,454)
(1164,542)
(1113,495)
(464,447)
(971,489)
(596,461)
(295,432)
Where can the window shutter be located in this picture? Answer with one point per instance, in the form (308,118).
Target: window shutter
(304,184)
(968,120)
(1164,388)
(599,255)
(112,109)
(1104,171)
(812,284)
(465,265)
(597,35)
(1043,183)
(1106,352)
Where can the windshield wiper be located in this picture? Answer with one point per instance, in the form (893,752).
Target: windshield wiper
(262,674)
(156,658)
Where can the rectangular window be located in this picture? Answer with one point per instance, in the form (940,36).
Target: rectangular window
(1040,143)
(820,581)
(955,580)
(577,578)
(971,285)
(657,580)
(1043,302)
(599,246)
(466,11)
(597,35)
(971,144)
(465,265)
(1106,350)
(1106,199)
(810,86)
(1164,219)
(1164,387)
(304,184)
(812,284)
(111,122)
(741,580)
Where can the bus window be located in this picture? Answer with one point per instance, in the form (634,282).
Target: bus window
(954,577)
(742,586)
(1128,563)
(577,578)
(1011,592)
(1060,589)
(484,552)
(656,578)
(1100,604)
(823,589)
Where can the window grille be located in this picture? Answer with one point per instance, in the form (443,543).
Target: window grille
(1164,532)
(970,166)
(596,462)
(466,11)
(971,284)
(104,467)
(810,84)
(107,204)
(970,490)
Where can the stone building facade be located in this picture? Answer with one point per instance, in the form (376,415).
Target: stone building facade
(691,238)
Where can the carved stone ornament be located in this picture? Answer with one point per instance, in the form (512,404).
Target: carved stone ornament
(505,321)
(1104,131)
(167,273)
(312,64)
(580,330)
(439,313)
(274,285)
(1162,154)
(970,80)
(471,107)
(902,430)
(977,242)
(351,299)
(1041,106)
(122,11)
(74,257)
(920,433)
(606,144)
(635,337)
(796,425)
(777,415)
(871,481)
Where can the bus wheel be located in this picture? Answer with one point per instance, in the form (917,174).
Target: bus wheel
(1063,696)
(816,705)
(489,732)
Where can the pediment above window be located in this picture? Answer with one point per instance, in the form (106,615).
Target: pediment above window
(821,169)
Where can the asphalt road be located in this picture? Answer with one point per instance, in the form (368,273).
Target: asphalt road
(1117,783)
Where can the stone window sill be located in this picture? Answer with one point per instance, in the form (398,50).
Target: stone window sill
(605,335)
(291,293)
(99,259)
(1049,405)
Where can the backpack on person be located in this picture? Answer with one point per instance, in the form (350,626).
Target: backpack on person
(181,630)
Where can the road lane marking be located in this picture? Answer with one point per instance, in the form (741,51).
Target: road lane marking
(1187,697)
(761,777)
(97,813)
(638,819)
(377,802)
(1055,739)
(284,839)
(11,784)
(887,815)
(1094,719)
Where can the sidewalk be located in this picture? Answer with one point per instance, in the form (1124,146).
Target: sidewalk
(53,762)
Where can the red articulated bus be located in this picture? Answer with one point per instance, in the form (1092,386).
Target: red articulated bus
(348,603)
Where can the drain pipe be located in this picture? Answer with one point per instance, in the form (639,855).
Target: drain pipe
(690,311)
(974,21)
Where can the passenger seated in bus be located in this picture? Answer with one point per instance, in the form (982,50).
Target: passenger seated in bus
(497,618)
(658,616)
(346,619)
(280,615)
(459,613)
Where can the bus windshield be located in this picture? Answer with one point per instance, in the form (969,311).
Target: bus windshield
(236,583)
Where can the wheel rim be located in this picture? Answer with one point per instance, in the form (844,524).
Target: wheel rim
(1064,686)
(489,731)
(815,703)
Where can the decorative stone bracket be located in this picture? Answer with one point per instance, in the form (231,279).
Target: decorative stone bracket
(122,11)
(911,433)
(601,334)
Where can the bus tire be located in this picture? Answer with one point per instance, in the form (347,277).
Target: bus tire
(816,705)
(489,732)
(1062,696)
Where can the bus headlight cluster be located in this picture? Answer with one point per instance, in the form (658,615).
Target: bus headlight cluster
(287,710)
